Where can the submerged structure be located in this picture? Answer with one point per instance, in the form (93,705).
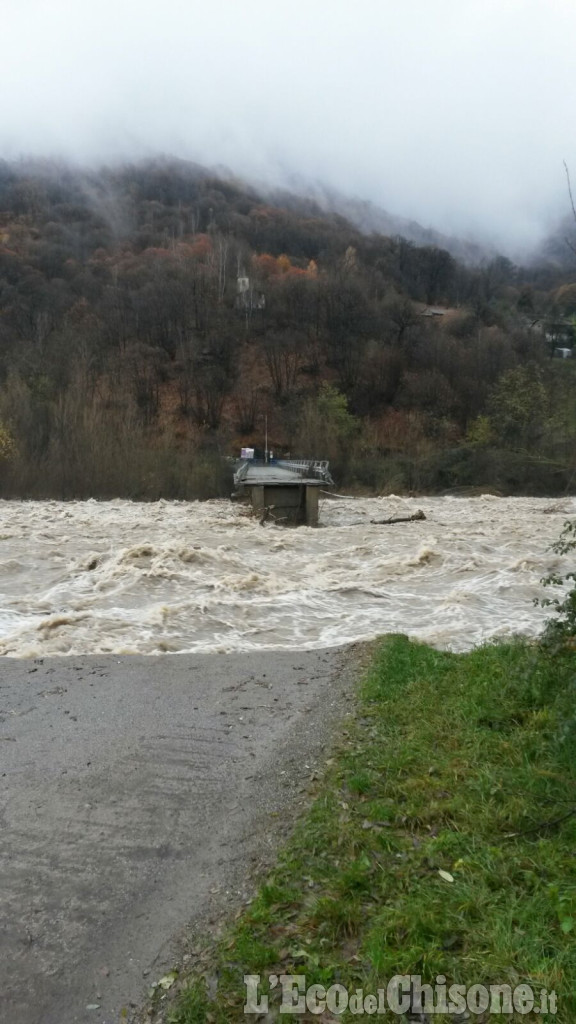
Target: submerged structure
(283,490)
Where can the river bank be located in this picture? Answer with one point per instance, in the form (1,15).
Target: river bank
(440,845)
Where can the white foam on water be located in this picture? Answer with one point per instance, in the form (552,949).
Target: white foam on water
(124,577)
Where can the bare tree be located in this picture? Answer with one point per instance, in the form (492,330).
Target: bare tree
(246,406)
(283,355)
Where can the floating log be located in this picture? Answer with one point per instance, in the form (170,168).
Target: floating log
(400,519)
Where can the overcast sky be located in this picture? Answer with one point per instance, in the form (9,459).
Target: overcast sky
(457,113)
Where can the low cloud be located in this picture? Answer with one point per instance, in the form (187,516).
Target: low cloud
(457,114)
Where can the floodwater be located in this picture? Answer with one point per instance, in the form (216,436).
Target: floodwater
(123,577)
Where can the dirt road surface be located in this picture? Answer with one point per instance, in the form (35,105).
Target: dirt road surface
(137,792)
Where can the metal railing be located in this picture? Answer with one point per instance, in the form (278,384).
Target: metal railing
(312,468)
(309,467)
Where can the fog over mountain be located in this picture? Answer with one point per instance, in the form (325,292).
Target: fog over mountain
(454,114)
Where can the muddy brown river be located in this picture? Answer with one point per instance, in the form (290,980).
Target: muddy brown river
(123,577)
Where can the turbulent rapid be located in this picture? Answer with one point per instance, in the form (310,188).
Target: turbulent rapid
(120,577)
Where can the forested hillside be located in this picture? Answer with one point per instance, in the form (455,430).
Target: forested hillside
(152,316)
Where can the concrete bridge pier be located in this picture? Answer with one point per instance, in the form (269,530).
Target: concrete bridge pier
(291,504)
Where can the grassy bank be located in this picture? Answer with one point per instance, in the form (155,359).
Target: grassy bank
(442,840)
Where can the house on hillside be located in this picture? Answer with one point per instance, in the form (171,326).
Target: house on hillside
(247,298)
(434,311)
(553,328)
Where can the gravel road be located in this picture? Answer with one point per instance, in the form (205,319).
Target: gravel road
(137,795)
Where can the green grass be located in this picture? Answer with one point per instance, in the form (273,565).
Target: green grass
(461,763)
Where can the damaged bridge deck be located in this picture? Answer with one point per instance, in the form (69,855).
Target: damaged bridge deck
(289,489)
